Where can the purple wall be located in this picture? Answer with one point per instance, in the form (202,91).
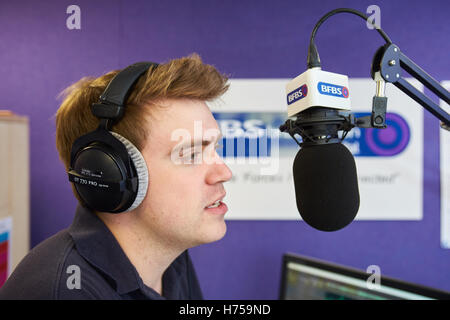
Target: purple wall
(39,57)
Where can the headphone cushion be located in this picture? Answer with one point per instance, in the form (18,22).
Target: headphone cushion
(141,169)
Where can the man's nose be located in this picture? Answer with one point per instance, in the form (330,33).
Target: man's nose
(219,172)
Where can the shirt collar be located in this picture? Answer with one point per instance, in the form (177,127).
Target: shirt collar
(95,242)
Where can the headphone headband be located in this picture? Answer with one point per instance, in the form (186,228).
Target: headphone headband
(112,101)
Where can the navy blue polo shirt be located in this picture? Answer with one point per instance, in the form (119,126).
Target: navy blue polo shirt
(85,261)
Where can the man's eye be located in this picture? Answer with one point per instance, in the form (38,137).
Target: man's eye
(193,158)
(195,155)
(190,156)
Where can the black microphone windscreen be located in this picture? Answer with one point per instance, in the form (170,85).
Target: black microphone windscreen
(326,186)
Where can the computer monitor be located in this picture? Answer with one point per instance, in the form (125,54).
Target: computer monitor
(305,278)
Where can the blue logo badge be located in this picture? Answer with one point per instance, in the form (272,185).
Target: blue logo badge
(297,94)
(332,90)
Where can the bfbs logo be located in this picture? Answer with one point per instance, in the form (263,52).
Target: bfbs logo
(297,94)
(332,90)
(242,130)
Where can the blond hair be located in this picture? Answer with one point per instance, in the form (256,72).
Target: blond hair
(185,78)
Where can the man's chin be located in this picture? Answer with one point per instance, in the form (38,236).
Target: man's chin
(214,234)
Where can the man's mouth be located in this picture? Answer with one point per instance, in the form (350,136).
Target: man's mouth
(215,204)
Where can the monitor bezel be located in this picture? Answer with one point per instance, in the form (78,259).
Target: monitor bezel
(355,273)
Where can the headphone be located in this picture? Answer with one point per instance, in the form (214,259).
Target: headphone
(108,172)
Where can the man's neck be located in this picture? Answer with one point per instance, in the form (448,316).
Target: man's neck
(148,254)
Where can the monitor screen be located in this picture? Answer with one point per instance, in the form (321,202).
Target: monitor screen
(305,278)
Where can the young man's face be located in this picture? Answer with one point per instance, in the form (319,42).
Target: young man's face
(184,178)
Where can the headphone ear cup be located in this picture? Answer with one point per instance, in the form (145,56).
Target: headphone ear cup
(141,169)
(100,162)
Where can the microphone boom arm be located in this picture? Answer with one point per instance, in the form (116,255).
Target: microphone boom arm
(388,63)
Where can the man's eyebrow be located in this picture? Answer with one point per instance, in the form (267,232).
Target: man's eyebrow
(202,141)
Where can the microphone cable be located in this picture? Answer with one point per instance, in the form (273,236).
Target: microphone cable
(313,55)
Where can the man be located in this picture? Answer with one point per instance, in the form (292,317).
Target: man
(142,253)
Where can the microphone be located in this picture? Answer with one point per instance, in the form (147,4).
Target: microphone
(326,186)
(325,179)
(324,170)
